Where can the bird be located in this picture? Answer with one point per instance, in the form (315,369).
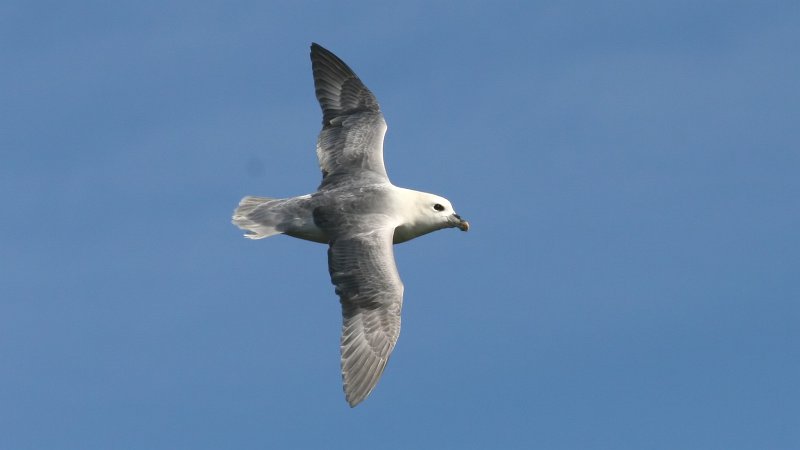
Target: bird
(359,214)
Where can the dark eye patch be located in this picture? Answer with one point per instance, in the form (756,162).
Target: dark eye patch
(438,207)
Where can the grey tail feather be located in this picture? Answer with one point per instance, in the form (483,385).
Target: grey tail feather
(256,216)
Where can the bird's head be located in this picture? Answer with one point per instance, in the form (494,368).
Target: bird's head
(438,212)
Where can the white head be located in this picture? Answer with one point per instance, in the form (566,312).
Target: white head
(430,213)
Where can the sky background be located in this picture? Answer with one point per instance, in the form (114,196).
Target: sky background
(630,169)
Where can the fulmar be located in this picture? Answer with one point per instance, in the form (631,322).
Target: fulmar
(359,214)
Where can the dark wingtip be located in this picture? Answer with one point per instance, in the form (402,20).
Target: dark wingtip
(318,51)
(353,401)
(337,87)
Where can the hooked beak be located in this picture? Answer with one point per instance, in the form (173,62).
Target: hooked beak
(456,221)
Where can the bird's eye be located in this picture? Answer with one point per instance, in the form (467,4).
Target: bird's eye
(438,207)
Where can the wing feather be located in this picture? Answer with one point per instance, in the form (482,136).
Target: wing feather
(351,141)
(363,270)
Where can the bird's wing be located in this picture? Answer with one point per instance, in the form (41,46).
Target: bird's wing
(350,145)
(362,267)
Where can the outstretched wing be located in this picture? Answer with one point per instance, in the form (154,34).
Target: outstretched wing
(362,267)
(350,145)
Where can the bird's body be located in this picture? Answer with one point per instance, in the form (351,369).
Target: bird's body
(294,216)
(359,213)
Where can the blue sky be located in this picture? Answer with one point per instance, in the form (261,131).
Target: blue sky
(630,171)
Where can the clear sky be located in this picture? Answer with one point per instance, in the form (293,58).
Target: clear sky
(631,171)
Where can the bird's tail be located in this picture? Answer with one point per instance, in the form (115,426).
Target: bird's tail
(259,216)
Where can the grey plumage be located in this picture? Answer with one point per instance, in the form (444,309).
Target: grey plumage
(351,141)
(359,214)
